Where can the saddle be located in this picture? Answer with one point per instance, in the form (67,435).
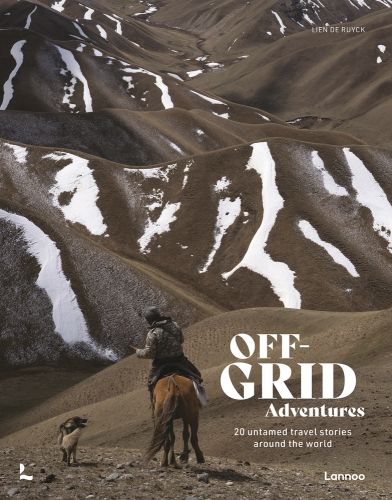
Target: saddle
(171,369)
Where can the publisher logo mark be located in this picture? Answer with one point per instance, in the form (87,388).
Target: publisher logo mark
(24,476)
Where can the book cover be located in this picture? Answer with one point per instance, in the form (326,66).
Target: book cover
(195,247)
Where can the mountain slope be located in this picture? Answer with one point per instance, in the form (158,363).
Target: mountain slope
(111,165)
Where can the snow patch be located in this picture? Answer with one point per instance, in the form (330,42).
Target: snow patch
(153,172)
(282,27)
(177,77)
(28,20)
(382,49)
(8,89)
(89,12)
(19,152)
(176,148)
(232,45)
(117,22)
(79,30)
(150,9)
(186,171)
(329,182)
(159,226)
(76,73)
(228,211)
(208,99)
(68,319)
(221,184)
(59,6)
(217,65)
(311,234)
(222,115)
(362,3)
(296,120)
(165,98)
(307,18)
(264,117)
(77,179)
(256,258)
(102,32)
(194,73)
(371,195)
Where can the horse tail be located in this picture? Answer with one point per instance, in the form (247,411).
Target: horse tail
(164,419)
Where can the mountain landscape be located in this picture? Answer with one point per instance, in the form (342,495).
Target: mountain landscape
(228,161)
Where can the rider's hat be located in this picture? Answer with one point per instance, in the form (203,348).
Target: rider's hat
(152,314)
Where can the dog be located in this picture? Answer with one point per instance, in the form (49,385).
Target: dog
(69,435)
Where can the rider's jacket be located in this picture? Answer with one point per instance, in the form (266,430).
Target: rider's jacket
(164,340)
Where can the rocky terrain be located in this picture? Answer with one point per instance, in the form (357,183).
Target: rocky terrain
(120,474)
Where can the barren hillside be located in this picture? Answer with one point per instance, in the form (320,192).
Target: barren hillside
(111,164)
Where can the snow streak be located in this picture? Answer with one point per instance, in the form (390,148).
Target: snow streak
(311,234)
(28,20)
(208,99)
(89,12)
(117,22)
(228,211)
(329,182)
(153,172)
(165,99)
(102,32)
(67,317)
(371,195)
(159,226)
(279,19)
(73,67)
(8,89)
(256,258)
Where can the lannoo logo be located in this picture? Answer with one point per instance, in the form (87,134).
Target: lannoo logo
(24,476)
(344,477)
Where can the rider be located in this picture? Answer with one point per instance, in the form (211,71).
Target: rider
(164,346)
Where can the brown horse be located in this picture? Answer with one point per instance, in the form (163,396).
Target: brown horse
(175,398)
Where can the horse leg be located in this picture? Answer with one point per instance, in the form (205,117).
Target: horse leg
(185,435)
(195,443)
(172,441)
(166,448)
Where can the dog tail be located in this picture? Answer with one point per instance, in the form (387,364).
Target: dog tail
(61,435)
(164,420)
